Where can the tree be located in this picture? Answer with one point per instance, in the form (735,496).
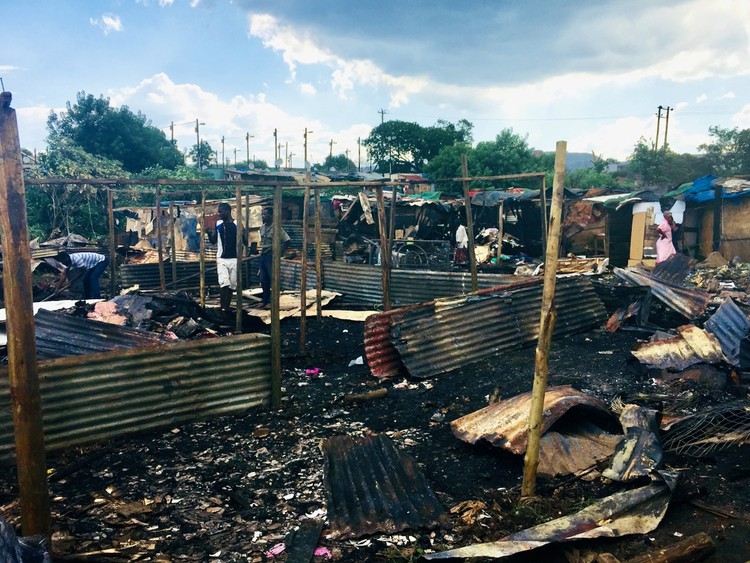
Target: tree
(401,146)
(663,166)
(729,154)
(115,134)
(206,154)
(340,163)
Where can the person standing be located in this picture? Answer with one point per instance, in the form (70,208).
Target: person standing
(87,266)
(266,254)
(462,244)
(664,246)
(224,236)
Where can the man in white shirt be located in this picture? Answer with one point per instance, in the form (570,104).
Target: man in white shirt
(87,266)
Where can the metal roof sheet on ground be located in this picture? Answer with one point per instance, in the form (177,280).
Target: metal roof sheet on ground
(59,335)
(689,302)
(730,325)
(692,346)
(506,423)
(372,487)
(674,269)
(444,335)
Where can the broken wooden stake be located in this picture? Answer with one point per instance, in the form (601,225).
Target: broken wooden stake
(368,396)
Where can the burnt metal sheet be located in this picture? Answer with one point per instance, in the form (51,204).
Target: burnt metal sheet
(372,487)
(59,335)
(688,302)
(640,451)
(730,325)
(691,346)
(445,334)
(674,269)
(506,423)
(146,275)
(574,450)
(636,511)
(103,396)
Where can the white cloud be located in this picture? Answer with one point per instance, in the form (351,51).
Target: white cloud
(727,96)
(307,88)
(702,98)
(107,23)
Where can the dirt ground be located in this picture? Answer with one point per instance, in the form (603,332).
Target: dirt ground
(229,489)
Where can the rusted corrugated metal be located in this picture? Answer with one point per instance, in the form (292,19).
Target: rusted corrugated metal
(730,325)
(689,302)
(59,335)
(188,274)
(506,423)
(674,269)
(372,487)
(691,346)
(291,275)
(102,396)
(446,334)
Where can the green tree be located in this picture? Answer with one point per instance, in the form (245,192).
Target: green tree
(340,163)
(204,152)
(115,134)
(663,166)
(729,153)
(60,209)
(646,164)
(401,146)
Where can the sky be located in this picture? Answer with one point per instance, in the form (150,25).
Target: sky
(589,72)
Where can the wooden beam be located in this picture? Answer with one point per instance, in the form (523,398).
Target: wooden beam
(173,243)
(240,247)
(112,245)
(19,300)
(385,251)
(318,260)
(469,223)
(159,250)
(275,295)
(303,274)
(202,255)
(546,326)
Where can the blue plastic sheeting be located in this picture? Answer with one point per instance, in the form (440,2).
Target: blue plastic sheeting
(703,190)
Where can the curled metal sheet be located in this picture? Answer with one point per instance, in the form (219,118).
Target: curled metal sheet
(689,302)
(506,423)
(372,487)
(691,346)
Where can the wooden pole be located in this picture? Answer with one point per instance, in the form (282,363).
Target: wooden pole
(543,210)
(275,294)
(159,251)
(500,219)
(546,325)
(240,247)
(318,260)
(303,274)
(718,205)
(22,365)
(202,256)
(173,244)
(469,222)
(392,225)
(385,251)
(112,243)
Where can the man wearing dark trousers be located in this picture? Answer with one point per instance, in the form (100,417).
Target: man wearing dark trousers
(266,256)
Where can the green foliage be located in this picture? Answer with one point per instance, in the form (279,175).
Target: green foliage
(401,146)
(662,166)
(587,178)
(204,152)
(339,162)
(115,134)
(729,153)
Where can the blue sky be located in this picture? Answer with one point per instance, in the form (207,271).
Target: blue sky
(588,72)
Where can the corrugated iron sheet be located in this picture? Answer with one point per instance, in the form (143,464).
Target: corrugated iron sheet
(446,334)
(674,269)
(575,450)
(689,302)
(691,346)
(59,335)
(506,423)
(372,487)
(103,396)
(188,274)
(730,325)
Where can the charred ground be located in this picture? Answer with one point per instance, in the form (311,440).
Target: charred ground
(228,489)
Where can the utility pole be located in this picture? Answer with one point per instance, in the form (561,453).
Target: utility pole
(235,157)
(307,164)
(247,139)
(275,154)
(658,122)
(286,154)
(223,158)
(346,152)
(171,132)
(666,125)
(330,150)
(359,154)
(382,113)
(198,141)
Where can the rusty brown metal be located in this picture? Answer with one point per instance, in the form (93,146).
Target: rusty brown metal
(689,302)
(372,487)
(692,345)
(102,396)
(23,375)
(578,446)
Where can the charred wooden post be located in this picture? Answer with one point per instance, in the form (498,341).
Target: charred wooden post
(718,209)
(240,246)
(159,250)
(303,272)
(202,252)
(543,210)
(112,243)
(469,222)
(318,260)
(22,365)
(691,548)
(546,326)
(173,243)
(385,251)
(392,225)
(275,295)
(500,219)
